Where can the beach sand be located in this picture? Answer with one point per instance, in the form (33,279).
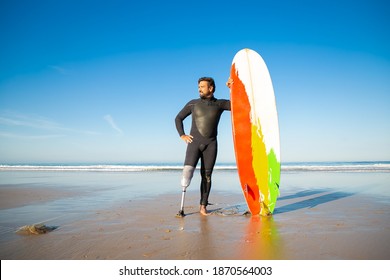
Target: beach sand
(317,218)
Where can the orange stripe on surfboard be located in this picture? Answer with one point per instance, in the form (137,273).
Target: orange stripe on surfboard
(242,136)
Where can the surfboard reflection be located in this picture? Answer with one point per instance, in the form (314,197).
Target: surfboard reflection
(261,239)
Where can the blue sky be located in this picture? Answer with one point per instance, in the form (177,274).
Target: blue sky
(101,81)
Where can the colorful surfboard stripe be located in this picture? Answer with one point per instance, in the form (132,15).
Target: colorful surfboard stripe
(260,179)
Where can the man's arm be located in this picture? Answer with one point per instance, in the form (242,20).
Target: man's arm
(185,112)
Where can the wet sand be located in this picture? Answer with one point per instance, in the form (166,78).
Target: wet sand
(17,196)
(308,224)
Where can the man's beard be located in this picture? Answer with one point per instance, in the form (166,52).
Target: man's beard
(206,95)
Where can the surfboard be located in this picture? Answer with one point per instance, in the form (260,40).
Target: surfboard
(255,131)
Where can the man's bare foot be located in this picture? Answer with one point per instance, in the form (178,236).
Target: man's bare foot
(203,210)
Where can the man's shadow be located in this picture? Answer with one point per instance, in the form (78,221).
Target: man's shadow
(237,210)
(301,194)
(312,202)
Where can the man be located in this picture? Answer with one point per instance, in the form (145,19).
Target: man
(202,140)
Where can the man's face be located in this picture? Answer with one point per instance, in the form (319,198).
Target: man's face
(205,90)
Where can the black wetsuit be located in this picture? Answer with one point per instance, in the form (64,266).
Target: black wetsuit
(206,114)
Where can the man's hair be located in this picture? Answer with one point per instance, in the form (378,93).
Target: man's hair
(209,80)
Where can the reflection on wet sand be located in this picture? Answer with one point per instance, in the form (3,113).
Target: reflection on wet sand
(261,240)
(195,239)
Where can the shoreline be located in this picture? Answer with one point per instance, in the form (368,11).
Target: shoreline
(308,224)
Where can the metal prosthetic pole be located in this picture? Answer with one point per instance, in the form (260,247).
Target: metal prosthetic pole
(183,195)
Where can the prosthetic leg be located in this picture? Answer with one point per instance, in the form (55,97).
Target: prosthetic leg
(188,173)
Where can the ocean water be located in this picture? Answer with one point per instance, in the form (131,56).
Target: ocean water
(150,180)
(363,166)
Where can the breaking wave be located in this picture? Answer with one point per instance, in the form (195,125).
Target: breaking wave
(383,166)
